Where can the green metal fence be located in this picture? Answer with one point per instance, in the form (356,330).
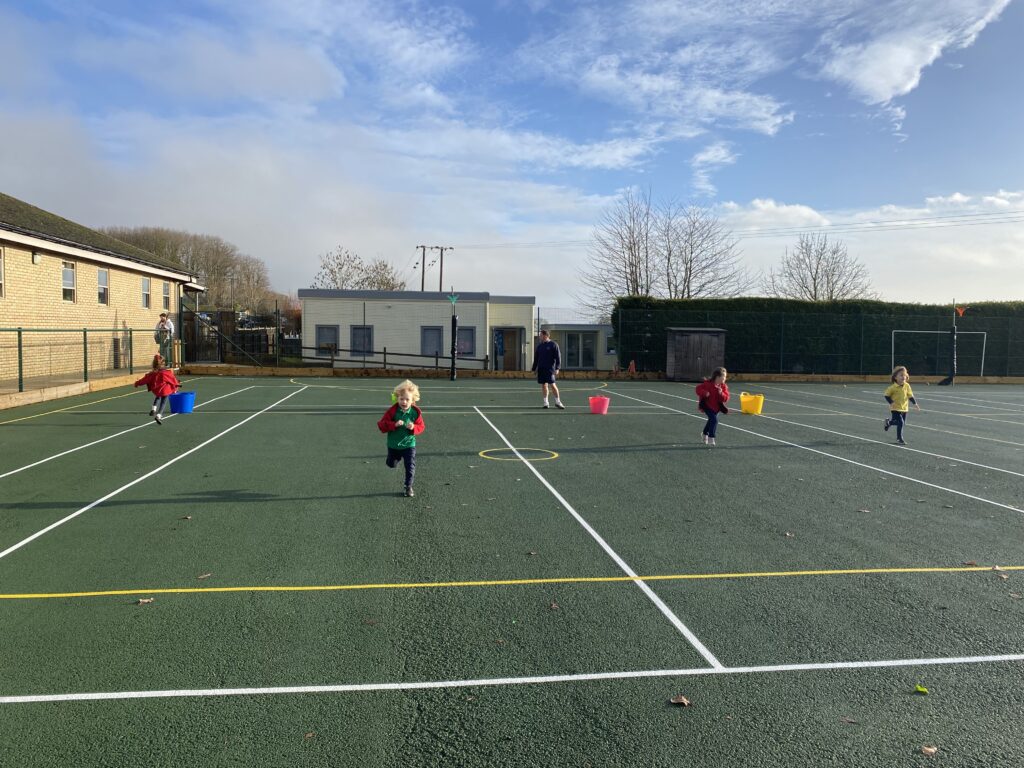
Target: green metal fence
(38,357)
(828,343)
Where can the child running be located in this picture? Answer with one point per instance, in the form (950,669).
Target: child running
(712,396)
(402,422)
(162,382)
(898,395)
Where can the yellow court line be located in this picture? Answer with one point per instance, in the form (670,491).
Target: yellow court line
(80,405)
(509,582)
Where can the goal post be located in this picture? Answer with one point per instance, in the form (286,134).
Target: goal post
(952,335)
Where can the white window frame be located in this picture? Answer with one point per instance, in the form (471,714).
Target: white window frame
(103,289)
(167,296)
(2,283)
(65,267)
(147,292)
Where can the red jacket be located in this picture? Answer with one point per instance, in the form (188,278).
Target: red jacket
(161,382)
(387,422)
(712,397)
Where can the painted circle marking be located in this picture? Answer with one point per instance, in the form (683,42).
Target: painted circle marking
(522,451)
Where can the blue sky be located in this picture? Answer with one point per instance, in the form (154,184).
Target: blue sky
(292,126)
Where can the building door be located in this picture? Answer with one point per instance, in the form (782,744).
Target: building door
(505,349)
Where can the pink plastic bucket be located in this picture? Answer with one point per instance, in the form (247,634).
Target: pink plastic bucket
(599,404)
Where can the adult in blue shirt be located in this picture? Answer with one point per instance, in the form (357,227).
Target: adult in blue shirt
(547,359)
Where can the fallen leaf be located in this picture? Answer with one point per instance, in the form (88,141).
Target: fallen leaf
(1016,595)
(531,554)
(144,600)
(996,568)
(309,735)
(204,575)
(919,501)
(920,689)
(471,698)
(863,510)
(847,720)
(947,506)
(681,701)
(186,517)
(929,750)
(790,535)
(1003,576)
(370,622)
(554,606)
(971,563)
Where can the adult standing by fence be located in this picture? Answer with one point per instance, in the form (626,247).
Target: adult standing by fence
(163,335)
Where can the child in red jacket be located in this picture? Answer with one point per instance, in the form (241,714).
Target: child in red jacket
(401,423)
(713,395)
(162,382)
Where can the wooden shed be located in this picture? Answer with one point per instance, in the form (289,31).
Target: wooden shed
(693,353)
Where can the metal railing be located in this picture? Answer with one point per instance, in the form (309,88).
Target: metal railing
(31,358)
(330,356)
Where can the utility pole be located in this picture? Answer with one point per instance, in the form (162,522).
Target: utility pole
(423,267)
(442,249)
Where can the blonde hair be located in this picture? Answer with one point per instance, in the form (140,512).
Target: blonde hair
(897,369)
(407,386)
(158,362)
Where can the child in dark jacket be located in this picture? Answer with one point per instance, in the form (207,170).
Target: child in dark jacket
(712,396)
(401,423)
(162,382)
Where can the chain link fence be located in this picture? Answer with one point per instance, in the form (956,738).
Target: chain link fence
(828,343)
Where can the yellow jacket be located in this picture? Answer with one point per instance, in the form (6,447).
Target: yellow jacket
(899,397)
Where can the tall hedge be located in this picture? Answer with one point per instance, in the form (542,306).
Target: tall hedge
(766,335)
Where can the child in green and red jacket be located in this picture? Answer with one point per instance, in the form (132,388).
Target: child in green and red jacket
(401,423)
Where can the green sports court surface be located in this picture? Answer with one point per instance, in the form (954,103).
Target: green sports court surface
(246,585)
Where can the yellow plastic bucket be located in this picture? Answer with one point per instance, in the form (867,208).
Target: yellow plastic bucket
(751,403)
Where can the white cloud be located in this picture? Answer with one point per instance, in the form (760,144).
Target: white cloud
(705,162)
(880,51)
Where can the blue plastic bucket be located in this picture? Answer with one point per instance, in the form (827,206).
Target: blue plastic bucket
(182,402)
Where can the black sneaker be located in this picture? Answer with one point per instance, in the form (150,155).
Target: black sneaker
(900,441)
(887,425)
(409,491)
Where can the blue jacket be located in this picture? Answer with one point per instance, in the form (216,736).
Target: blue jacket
(547,357)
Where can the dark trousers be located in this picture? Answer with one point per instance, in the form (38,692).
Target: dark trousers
(406,455)
(712,426)
(159,402)
(898,419)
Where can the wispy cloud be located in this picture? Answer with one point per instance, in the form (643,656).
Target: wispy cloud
(705,162)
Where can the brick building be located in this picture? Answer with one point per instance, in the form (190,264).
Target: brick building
(85,303)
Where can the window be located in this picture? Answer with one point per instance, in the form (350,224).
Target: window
(103,286)
(167,296)
(609,345)
(362,340)
(580,349)
(67,280)
(1,273)
(147,287)
(431,340)
(326,340)
(465,342)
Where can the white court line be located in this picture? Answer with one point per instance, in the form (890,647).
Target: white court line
(839,458)
(903,448)
(108,437)
(505,681)
(883,403)
(138,480)
(676,622)
(1017,409)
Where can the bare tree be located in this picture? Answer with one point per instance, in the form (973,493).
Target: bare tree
(218,264)
(697,256)
(819,270)
(339,269)
(342,269)
(379,275)
(622,259)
